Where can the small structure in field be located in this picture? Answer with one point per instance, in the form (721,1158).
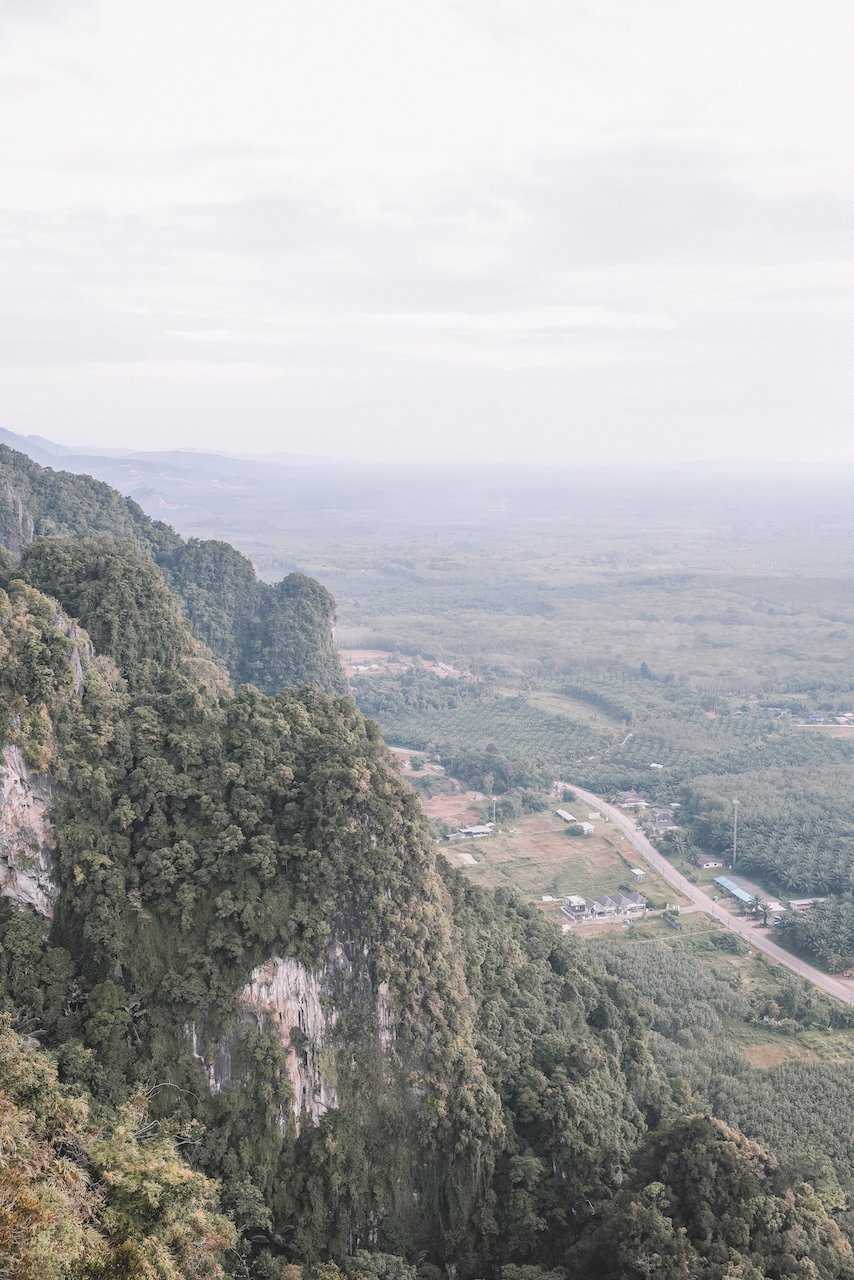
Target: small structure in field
(565,815)
(706,860)
(472,833)
(638,874)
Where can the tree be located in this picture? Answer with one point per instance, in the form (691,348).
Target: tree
(703,1201)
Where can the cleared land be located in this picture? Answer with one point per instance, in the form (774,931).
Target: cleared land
(461,809)
(536,856)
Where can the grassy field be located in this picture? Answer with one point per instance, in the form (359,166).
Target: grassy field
(536,856)
(559,704)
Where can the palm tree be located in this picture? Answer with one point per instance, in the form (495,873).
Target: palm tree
(763,907)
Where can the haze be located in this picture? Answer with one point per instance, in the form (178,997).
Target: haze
(603,232)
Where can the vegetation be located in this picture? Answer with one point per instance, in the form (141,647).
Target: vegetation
(702,1201)
(509,1101)
(269,635)
(87,1200)
(200,832)
(478,734)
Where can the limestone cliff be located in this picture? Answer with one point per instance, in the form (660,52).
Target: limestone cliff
(27,839)
(26,836)
(300,1008)
(16,522)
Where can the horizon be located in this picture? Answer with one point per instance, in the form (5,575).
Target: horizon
(759,467)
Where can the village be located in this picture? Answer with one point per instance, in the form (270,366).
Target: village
(599,879)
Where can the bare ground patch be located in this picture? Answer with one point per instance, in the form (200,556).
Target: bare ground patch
(457,810)
(771,1055)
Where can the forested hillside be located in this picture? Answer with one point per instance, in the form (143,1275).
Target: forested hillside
(201,832)
(271,636)
(252,934)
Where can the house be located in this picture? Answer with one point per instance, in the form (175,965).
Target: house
(610,904)
(629,903)
(576,906)
(803,904)
(707,860)
(631,800)
(587,827)
(613,904)
(639,874)
(474,833)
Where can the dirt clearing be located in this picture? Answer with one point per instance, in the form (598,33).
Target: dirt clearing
(458,810)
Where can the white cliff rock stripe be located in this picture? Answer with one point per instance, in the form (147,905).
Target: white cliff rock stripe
(27,840)
(289,995)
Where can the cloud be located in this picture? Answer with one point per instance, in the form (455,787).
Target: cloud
(505,217)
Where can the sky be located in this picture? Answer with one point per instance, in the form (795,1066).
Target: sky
(499,230)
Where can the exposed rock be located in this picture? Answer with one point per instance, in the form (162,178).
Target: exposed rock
(300,1007)
(27,840)
(16,523)
(283,995)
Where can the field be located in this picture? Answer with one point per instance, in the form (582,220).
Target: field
(536,856)
(748,972)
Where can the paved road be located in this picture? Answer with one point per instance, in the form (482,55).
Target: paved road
(749,931)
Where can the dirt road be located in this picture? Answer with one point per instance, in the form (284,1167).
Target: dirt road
(751,932)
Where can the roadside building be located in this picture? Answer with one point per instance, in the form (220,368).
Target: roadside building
(706,860)
(638,874)
(735,891)
(632,800)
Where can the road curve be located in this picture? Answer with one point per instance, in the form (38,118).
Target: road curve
(749,931)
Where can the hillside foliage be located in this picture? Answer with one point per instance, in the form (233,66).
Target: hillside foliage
(269,635)
(522,1108)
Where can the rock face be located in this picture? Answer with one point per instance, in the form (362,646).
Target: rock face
(285,998)
(16,523)
(300,1008)
(26,836)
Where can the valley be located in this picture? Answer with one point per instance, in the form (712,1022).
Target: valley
(252,910)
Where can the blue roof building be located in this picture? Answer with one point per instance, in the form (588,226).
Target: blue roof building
(729,886)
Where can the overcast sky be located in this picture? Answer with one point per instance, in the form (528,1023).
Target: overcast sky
(509,229)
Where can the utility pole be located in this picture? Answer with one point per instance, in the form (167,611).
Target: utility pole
(734,830)
(493,810)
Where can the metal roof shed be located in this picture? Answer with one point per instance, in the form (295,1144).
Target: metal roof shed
(729,886)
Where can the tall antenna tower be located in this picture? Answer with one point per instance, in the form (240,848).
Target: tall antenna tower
(734,830)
